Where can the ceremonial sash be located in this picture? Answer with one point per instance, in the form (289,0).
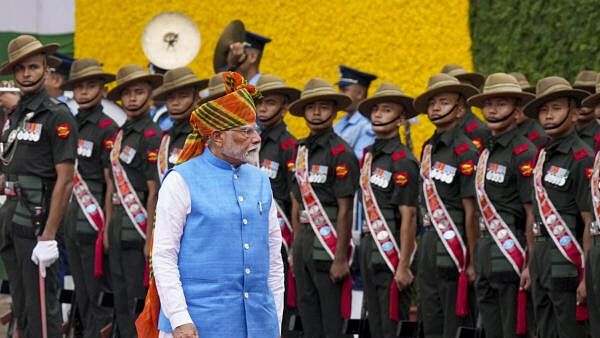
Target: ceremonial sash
(321,224)
(446,230)
(380,231)
(129,199)
(95,217)
(595,185)
(558,229)
(505,239)
(287,233)
(162,161)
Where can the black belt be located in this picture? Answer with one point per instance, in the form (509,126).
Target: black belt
(24,231)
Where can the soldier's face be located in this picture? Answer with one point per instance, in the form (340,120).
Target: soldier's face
(241,145)
(319,115)
(386,118)
(500,113)
(557,116)
(270,109)
(357,93)
(585,114)
(443,109)
(597,111)
(30,74)
(136,99)
(180,102)
(88,93)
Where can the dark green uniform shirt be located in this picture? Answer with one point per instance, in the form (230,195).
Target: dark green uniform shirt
(139,152)
(474,129)
(566,177)
(590,134)
(96,135)
(394,178)
(277,156)
(178,133)
(532,130)
(509,175)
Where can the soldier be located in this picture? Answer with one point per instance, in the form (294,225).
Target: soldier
(588,129)
(530,128)
(240,50)
(39,152)
(562,212)
(503,188)
(354,128)
(472,126)
(135,178)
(592,275)
(324,185)
(180,90)
(277,156)
(389,186)
(446,264)
(216,88)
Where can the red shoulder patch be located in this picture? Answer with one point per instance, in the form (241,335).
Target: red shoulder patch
(579,154)
(467,168)
(401,178)
(105,123)
(287,144)
(152,156)
(148,133)
(461,148)
(588,172)
(335,151)
(471,127)
(398,155)
(526,169)
(63,130)
(520,149)
(533,136)
(342,170)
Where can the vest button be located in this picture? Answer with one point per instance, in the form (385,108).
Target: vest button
(241,198)
(246,295)
(245,221)
(246,246)
(247,271)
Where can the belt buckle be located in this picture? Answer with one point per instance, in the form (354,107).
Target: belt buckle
(9,189)
(595,228)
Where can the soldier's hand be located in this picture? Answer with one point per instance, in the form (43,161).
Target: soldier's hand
(581,292)
(146,250)
(237,54)
(186,331)
(471,273)
(338,271)
(105,241)
(525,281)
(403,277)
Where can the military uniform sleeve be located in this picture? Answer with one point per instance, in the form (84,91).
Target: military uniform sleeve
(63,136)
(406,183)
(289,148)
(582,175)
(524,173)
(108,140)
(346,173)
(151,155)
(466,172)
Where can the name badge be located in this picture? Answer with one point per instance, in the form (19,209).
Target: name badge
(380,178)
(317,174)
(84,148)
(556,175)
(174,155)
(127,154)
(30,131)
(495,172)
(270,168)
(443,172)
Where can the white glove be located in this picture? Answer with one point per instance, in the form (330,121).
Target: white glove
(44,254)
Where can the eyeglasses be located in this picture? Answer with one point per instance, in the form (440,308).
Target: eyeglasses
(247,131)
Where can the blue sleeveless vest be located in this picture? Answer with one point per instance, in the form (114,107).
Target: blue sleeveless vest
(224,254)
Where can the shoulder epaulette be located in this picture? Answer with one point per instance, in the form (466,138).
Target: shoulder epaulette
(461,148)
(521,148)
(340,148)
(105,123)
(398,155)
(533,136)
(287,144)
(471,127)
(148,133)
(579,154)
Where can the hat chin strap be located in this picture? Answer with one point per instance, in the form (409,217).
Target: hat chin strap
(560,123)
(271,118)
(387,123)
(320,123)
(33,84)
(92,99)
(448,113)
(141,105)
(502,119)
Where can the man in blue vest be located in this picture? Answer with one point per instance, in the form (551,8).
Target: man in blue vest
(217,243)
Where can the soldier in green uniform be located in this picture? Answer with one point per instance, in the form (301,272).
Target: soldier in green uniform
(472,126)
(592,273)
(588,129)
(39,152)
(133,171)
(452,161)
(530,128)
(561,178)
(82,235)
(276,159)
(333,175)
(394,181)
(180,90)
(507,186)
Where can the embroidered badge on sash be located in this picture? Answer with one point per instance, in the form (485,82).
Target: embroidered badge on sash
(401,178)
(84,148)
(317,174)
(467,168)
(495,172)
(270,168)
(174,155)
(443,172)
(341,170)
(556,175)
(152,155)
(63,130)
(526,169)
(127,154)
(380,177)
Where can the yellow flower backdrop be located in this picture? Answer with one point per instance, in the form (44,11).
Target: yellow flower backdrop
(402,41)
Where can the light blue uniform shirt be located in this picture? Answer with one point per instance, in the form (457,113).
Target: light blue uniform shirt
(357,131)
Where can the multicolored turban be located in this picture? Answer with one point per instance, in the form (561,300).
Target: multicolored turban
(235,109)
